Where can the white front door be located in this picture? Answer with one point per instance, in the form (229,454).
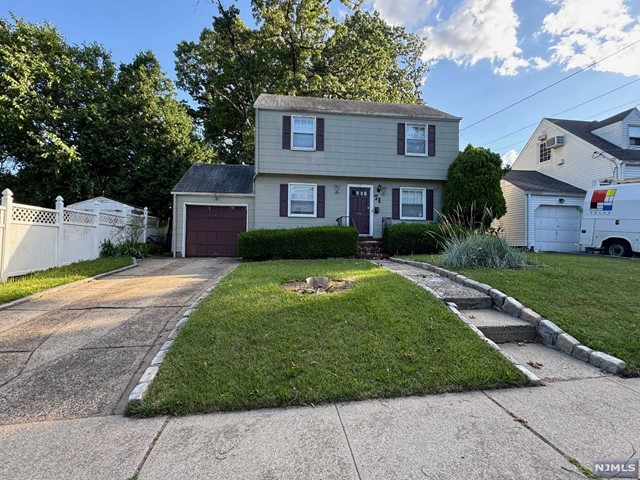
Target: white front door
(557,228)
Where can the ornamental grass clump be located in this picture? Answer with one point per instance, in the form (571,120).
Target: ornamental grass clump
(477,247)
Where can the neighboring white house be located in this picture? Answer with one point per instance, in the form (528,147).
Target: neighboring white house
(545,189)
(106,205)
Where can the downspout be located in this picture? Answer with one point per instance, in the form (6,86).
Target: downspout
(173,226)
(526,221)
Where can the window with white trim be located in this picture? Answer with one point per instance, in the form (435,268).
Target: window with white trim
(412,203)
(415,139)
(303,200)
(544,155)
(303,133)
(634,136)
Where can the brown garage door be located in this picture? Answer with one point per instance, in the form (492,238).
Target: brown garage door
(212,231)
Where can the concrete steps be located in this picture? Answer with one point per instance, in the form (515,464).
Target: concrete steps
(500,327)
(480,302)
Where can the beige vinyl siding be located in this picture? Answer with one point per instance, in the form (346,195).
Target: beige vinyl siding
(579,167)
(513,222)
(267,209)
(633,119)
(354,146)
(204,199)
(631,171)
(613,133)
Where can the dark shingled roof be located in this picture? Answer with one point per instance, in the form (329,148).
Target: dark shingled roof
(536,182)
(216,178)
(584,131)
(332,105)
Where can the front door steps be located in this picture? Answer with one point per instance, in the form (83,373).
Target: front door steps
(372,249)
(534,345)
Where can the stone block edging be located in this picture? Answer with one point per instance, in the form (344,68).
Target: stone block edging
(551,335)
(37,295)
(142,388)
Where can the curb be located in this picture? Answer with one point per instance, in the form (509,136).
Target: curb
(551,335)
(37,295)
(141,390)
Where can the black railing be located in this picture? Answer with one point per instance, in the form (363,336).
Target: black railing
(345,221)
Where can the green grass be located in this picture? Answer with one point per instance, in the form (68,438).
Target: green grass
(594,298)
(251,344)
(19,287)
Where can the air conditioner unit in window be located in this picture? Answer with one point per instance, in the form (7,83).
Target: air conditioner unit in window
(555,142)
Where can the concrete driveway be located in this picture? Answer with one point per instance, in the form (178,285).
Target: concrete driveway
(77,352)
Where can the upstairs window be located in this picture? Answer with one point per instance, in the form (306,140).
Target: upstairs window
(634,136)
(545,153)
(416,139)
(303,133)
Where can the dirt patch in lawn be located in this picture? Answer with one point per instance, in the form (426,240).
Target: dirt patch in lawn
(301,287)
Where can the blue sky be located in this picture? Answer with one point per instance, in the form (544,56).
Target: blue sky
(483,54)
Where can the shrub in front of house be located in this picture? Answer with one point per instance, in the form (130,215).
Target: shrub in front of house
(413,238)
(477,249)
(298,243)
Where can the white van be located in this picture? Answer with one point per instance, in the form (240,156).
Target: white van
(611,218)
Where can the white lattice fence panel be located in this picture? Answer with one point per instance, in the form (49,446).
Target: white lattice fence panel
(111,219)
(34,215)
(75,216)
(153,222)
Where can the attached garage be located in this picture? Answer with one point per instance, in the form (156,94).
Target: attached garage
(557,228)
(542,213)
(212,205)
(212,231)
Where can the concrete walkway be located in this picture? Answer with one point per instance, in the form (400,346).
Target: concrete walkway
(500,434)
(78,351)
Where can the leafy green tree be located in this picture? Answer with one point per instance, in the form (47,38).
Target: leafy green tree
(472,193)
(297,48)
(46,88)
(72,124)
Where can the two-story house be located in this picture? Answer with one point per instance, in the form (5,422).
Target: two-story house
(545,188)
(319,162)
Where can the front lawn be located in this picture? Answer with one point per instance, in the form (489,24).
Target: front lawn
(36,282)
(251,344)
(594,298)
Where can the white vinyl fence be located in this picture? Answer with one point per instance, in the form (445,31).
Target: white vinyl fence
(35,238)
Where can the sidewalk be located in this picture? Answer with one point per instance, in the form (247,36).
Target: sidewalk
(501,434)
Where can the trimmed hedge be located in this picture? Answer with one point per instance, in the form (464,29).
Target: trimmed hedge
(298,243)
(413,238)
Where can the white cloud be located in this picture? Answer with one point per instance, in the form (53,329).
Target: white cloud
(407,13)
(478,30)
(509,157)
(584,31)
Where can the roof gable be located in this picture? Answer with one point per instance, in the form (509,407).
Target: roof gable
(216,178)
(292,103)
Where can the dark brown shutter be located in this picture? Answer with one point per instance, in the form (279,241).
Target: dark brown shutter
(401,139)
(395,204)
(429,206)
(286,132)
(320,135)
(320,209)
(284,200)
(432,140)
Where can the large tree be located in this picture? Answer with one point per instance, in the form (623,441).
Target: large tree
(73,124)
(472,194)
(298,47)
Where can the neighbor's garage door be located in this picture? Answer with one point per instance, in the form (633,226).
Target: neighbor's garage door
(557,228)
(212,231)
